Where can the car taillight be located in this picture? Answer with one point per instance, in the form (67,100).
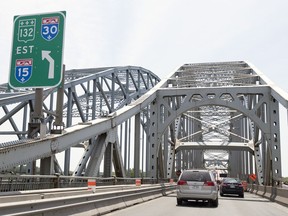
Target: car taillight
(240,185)
(182,182)
(224,184)
(209,183)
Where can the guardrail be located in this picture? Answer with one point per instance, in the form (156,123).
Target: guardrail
(274,194)
(90,203)
(36,182)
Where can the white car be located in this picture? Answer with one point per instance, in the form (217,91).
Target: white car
(197,185)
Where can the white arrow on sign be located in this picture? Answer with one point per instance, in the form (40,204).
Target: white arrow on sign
(45,55)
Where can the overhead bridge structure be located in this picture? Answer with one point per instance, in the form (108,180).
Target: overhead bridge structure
(124,121)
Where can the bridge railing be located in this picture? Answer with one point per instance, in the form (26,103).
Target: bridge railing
(36,182)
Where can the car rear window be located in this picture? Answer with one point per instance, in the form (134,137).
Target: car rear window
(196,176)
(231,180)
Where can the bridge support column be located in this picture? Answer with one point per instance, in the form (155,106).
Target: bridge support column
(68,124)
(96,155)
(198,159)
(185,159)
(108,161)
(178,161)
(137,146)
(117,161)
(154,139)
(47,166)
(275,146)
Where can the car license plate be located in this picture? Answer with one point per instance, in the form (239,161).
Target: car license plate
(193,187)
(232,186)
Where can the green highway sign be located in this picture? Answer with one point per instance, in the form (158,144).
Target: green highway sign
(37,50)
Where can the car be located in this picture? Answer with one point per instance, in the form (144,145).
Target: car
(231,186)
(197,185)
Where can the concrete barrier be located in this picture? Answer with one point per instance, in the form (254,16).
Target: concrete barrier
(7,199)
(89,204)
(281,196)
(274,194)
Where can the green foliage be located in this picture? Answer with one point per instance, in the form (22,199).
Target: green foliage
(285,180)
(130,173)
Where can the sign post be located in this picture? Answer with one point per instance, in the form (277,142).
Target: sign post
(37,50)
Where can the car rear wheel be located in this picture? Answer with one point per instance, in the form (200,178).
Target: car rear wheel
(179,201)
(241,195)
(214,203)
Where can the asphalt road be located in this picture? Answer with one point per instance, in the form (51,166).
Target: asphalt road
(251,205)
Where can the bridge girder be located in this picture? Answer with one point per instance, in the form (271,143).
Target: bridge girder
(235,146)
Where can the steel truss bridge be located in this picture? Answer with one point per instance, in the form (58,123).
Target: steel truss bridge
(221,116)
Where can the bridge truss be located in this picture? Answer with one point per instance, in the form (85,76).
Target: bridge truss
(88,94)
(221,116)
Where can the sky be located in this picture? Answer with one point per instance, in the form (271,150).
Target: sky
(162,35)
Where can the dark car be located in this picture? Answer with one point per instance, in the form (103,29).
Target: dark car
(231,186)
